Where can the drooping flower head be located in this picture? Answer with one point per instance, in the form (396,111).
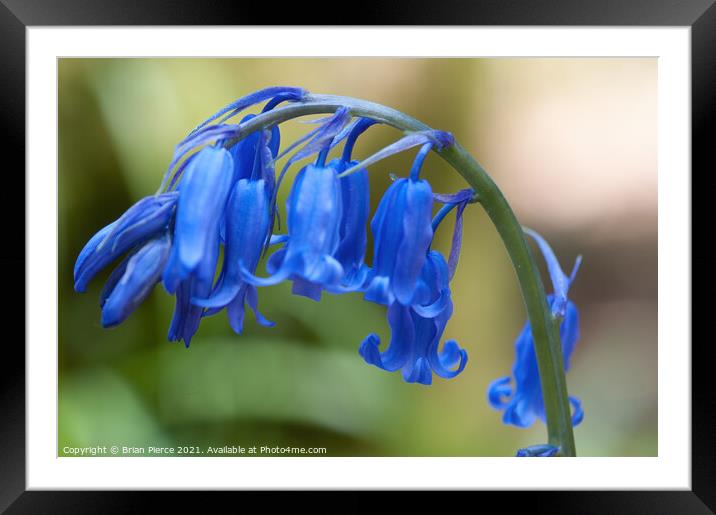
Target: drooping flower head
(523,403)
(221,190)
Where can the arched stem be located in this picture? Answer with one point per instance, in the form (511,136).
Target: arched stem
(545,329)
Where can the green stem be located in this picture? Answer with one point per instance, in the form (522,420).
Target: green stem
(545,329)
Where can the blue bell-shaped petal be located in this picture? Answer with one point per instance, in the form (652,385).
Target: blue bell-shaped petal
(355,195)
(139,275)
(523,403)
(203,192)
(314,210)
(143,221)
(247,224)
(350,252)
(402,232)
(415,339)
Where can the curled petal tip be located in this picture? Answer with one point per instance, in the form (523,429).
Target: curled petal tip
(369,350)
(499,392)
(578,414)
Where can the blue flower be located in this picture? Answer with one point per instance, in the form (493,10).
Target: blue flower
(143,221)
(523,404)
(355,206)
(191,267)
(353,237)
(402,233)
(202,197)
(355,193)
(133,280)
(247,224)
(415,339)
(245,227)
(314,210)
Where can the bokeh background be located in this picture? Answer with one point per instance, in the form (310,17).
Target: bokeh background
(572,144)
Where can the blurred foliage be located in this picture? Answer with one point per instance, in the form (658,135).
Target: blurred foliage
(302,383)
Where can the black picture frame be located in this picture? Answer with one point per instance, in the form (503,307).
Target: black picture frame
(16,15)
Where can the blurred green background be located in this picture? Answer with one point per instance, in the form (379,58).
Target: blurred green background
(572,143)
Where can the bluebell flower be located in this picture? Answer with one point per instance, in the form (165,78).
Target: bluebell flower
(402,233)
(415,339)
(355,193)
(245,228)
(133,281)
(203,192)
(253,157)
(190,270)
(314,208)
(416,328)
(349,251)
(355,207)
(523,404)
(353,237)
(247,223)
(143,221)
